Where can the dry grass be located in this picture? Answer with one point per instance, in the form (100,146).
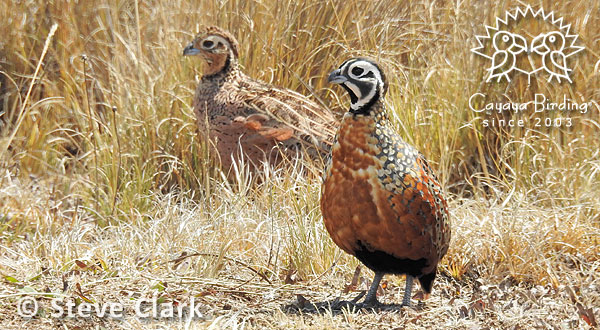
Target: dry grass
(106,194)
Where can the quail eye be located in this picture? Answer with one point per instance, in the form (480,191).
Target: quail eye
(357,71)
(207,44)
(505,38)
(552,38)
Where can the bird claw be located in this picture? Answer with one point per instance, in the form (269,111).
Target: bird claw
(373,304)
(340,304)
(360,295)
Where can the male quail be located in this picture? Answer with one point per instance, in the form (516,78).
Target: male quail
(381,202)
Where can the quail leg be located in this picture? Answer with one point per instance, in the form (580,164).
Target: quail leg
(407,291)
(371,298)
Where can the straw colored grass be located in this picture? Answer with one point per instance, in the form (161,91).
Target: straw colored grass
(108,195)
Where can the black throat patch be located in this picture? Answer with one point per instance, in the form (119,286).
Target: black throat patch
(365,109)
(353,97)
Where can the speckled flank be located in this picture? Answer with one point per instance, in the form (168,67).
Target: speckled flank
(241,115)
(380,194)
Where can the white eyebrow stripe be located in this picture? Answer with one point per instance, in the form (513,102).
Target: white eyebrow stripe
(370,67)
(363,100)
(344,65)
(217,39)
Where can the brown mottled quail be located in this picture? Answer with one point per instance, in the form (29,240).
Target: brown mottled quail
(381,202)
(249,118)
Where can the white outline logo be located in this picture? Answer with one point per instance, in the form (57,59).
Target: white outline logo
(554,47)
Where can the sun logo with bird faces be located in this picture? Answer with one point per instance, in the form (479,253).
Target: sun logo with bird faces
(544,49)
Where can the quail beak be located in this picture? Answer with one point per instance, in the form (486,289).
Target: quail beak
(538,45)
(189,50)
(519,45)
(335,77)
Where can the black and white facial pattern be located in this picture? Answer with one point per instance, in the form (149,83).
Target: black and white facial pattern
(362,79)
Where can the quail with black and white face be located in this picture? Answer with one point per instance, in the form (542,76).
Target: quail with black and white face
(381,201)
(363,80)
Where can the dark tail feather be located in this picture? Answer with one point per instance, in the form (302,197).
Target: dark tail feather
(426,281)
